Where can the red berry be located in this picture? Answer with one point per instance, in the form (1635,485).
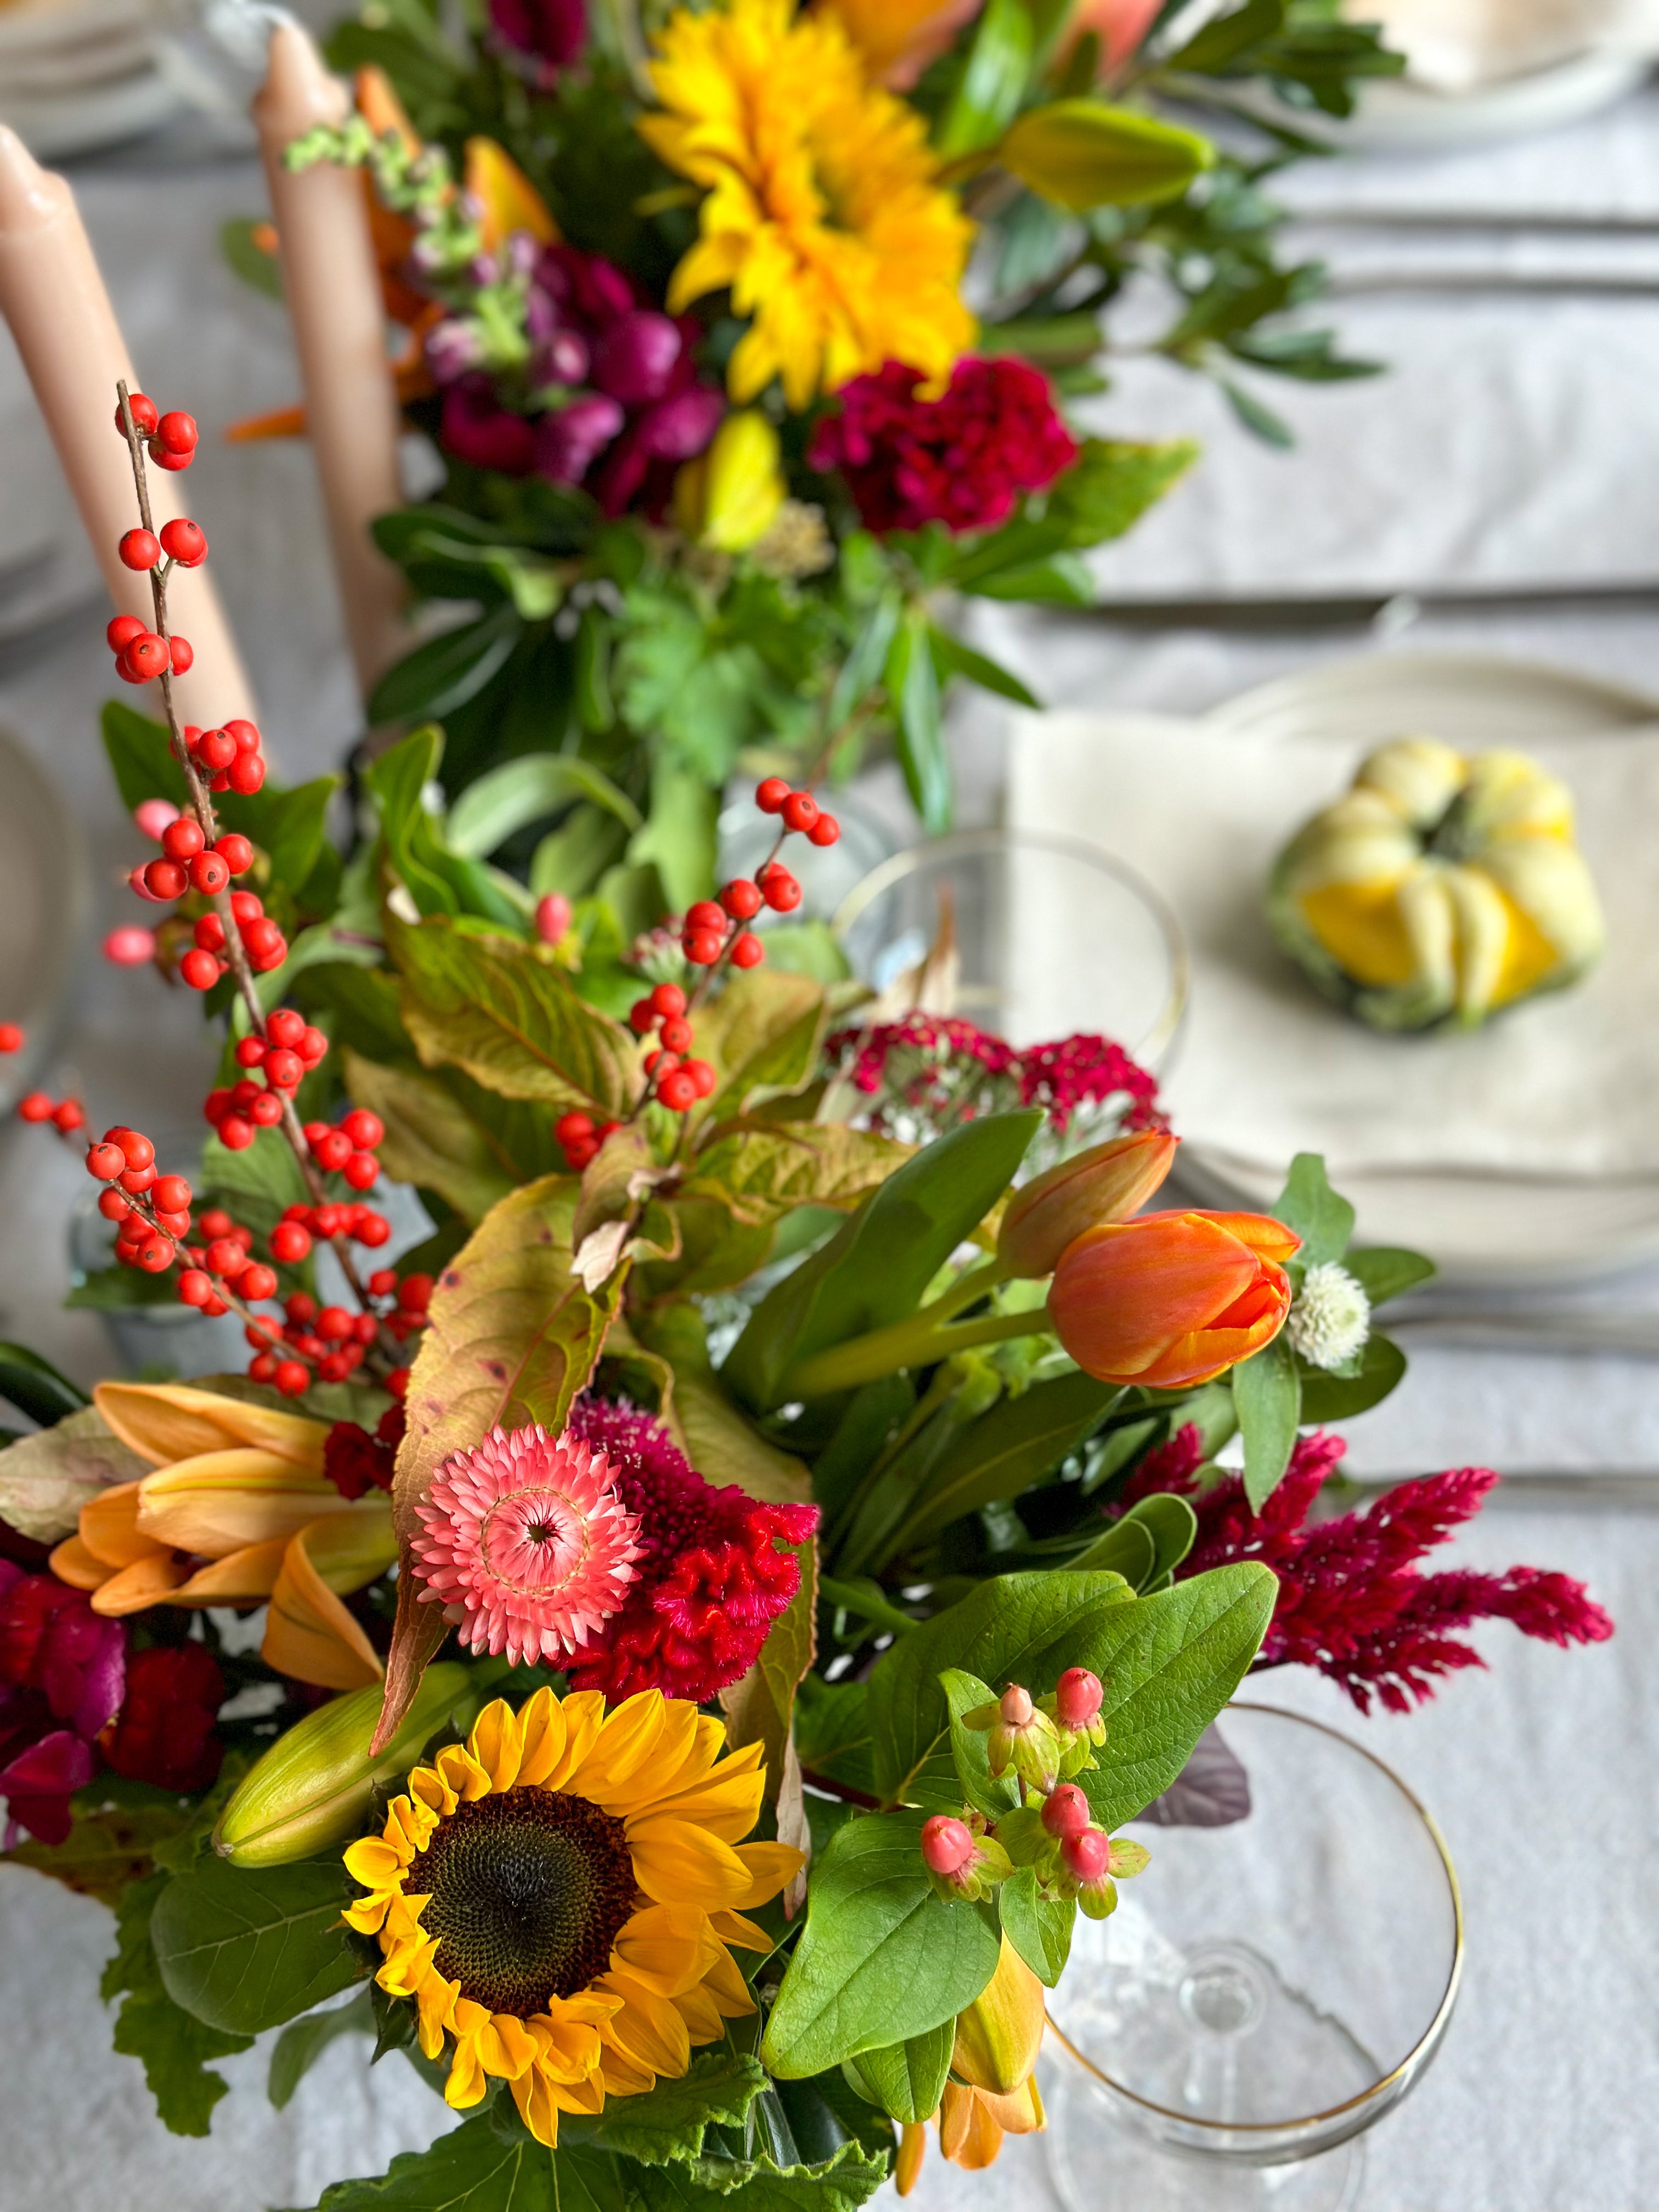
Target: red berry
(572,1128)
(668,1001)
(237,854)
(154,1254)
(266,1110)
(137,1179)
(1078,1697)
(195,1288)
(372,1229)
(209,874)
(135,1147)
(216,750)
(283,1026)
(181,653)
(226,1257)
(678,1091)
(236,1134)
(366,1130)
(176,1224)
(152,816)
(333,1367)
(799,810)
(313,1046)
(748,951)
(415,1293)
(122,630)
(329,1220)
(215,1222)
(770,794)
(209,934)
(705,914)
(553,913)
(257,1280)
(201,970)
(947,1843)
(291,1378)
(781,890)
(361,1170)
(185,541)
(171,1193)
(250,1050)
(642,1017)
(165,879)
(284,1070)
(138,549)
(261,936)
(333,1323)
(145,658)
(113,1205)
(143,412)
(398,1382)
(11,1037)
(1086,1855)
(825,830)
(331,1151)
(581,1155)
(677,1035)
(289,1242)
(69,1115)
(246,773)
(741,899)
(177,432)
(701,947)
(243,735)
(162,459)
(383,1282)
(129,946)
(262,1366)
(106,1162)
(243,1092)
(702,1075)
(300,1307)
(1066,1811)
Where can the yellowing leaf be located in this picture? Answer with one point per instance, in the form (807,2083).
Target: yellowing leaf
(762,1036)
(430,1139)
(1083,154)
(46,1478)
(761,1170)
(761,1708)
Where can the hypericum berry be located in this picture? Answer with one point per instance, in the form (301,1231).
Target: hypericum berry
(257,1280)
(143,412)
(121,632)
(283,1025)
(69,1114)
(678,1091)
(947,1843)
(1015,1705)
(748,951)
(826,830)
(291,1242)
(139,550)
(130,946)
(152,816)
(701,947)
(291,1378)
(677,1035)
(186,541)
(236,852)
(171,1193)
(1086,1856)
(799,810)
(741,899)
(668,1000)
(182,839)
(366,1130)
(1065,1812)
(1078,1697)
(177,433)
(201,970)
(145,658)
(181,654)
(165,879)
(553,915)
(195,1287)
(106,1161)
(779,889)
(770,794)
(11,1037)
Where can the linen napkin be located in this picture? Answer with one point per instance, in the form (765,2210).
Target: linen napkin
(1564,1086)
(1455,45)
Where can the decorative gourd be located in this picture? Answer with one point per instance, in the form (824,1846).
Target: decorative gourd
(1438,887)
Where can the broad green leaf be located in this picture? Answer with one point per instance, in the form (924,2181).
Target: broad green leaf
(875,1412)
(883,1957)
(913,691)
(511,1018)
(35,1387)
(761,1035)
(46,1478)
(250,261)
(832,1731)
(760,1170)
(430,1140)
(111,1843)
(519,791)
(1171,1523)
(303,2042)
(907,2079)
(1267,1392)
(862,670)
(1038,1927)
(1308,1205)
(679,838)
(1083,154)
(952,658)
(1127,1548)
(1062,580)
(288,826)
(671,2120)
(512,1337)
(970,1747)
(445,671)
(993,76)
(172,2044)
(248,1949)
(837,2184)
(438,880)
(472,2169)
(874,1269)
(725,1446)
(1339,1397)
(1111,484)
(1006,1451)
(1385,1271)
(1223,39)
(141,754)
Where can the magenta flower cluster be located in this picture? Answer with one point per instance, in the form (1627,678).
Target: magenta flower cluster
(941,1070)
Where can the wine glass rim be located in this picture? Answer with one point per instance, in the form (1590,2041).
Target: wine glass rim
(1419,2051)
(960,844)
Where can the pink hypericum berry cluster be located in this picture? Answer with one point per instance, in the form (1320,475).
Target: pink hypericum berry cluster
(677,1082)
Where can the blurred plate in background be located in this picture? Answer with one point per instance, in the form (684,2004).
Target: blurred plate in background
(45,908)
(79,74)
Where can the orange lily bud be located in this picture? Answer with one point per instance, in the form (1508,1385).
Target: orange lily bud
(1171,1300)
(998,2036)
(1109,1182)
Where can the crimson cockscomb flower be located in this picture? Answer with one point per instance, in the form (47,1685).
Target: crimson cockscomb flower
(164,1731)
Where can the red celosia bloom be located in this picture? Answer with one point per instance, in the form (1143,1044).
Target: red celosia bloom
(964,458)
(164,1731)
(709,1578)
(945,1070)
(62,1668)
(356,1462)
(1352,1601)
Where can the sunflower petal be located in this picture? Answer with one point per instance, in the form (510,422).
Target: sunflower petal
(647,2031)
(541,1729)
(497,1744)
(676,1863)
(584,1715)
(771,1867)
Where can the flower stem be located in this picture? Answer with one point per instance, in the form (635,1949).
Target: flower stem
(918,1342)
(869,1605)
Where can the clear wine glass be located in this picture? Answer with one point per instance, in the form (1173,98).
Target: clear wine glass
(1265,1992)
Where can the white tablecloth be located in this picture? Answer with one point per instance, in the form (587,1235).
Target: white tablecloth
(1513,439)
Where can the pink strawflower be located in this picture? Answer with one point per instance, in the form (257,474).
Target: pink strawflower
(528,1546)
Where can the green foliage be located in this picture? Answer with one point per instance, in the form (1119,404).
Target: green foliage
(36,1388)
(246,1950)
(173,2044)
(1339,1397)
(1038,1927)
(839,2182)
(474,2169)
(1083,154)
(1267,1392)
(907,2080)
(1385,1271)
(672,2120)
(1309,1206)
(116,1829)
(303,2042)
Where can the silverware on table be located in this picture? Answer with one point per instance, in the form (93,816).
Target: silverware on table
(1390,610)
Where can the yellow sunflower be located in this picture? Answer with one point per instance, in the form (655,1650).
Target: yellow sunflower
(821,214)
(558,1895)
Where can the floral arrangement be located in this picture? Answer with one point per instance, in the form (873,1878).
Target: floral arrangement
(744,336)
(723,1589)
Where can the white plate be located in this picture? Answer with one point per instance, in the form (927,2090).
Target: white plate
(44,914)
(1399,112)
(56,128)
(1488,1232)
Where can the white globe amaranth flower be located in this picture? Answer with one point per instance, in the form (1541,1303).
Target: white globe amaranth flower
(1331,1317)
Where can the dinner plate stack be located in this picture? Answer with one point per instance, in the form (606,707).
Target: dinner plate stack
(77,74)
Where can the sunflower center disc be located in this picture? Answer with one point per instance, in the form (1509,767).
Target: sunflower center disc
(529,1889)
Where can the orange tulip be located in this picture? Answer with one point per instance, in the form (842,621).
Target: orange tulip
(1171,1299)
(1109,1182)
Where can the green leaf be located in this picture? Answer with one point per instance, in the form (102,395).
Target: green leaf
(874,1269)
(970,1747)
(1267,1392)
(952,658)
(173,2045)
(1084,154)
(519,791)
(913,688)
(883,1957)
(1112,483)
(862,669)
(288,826)
(141,754)
(445,671)
(1222,40)
(1172,1525)
(511,1018)
(1062,580)
(1259,421)
(430,1140)
(759,1171)
(438,880)
(1339,1397)
(671,2120)
(248,1949)
(907,2079)
(761,1035)
(679,838)
(111,1843)
(1038,1927)
(832,1731)
(1312,1209)
(1127,1548)
(875,1414)
(249,261)
(837,2184)
(993,76)
(472,2169)
(35,1387)
(303,2042)
(1385,1271)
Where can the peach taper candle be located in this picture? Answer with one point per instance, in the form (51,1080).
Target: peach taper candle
(53,297)
(333,288)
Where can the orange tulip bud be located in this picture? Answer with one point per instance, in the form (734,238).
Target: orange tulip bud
(1171,1300)
(1109,1182)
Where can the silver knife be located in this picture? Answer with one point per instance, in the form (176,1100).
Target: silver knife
(1389,609)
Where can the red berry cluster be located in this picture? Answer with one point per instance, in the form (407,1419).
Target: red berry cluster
(289,1048)
(580,1137)
(704,934)
(146,1236)
(228,759)
(335,1339)
(347,1150)
(677,1082)
(172,438)
(291,1239)
(66,1114)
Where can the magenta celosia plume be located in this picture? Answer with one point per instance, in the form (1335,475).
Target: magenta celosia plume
(1352,1601)
(942,1068)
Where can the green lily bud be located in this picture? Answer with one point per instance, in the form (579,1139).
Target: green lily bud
(1107,1183)
(313,1787)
